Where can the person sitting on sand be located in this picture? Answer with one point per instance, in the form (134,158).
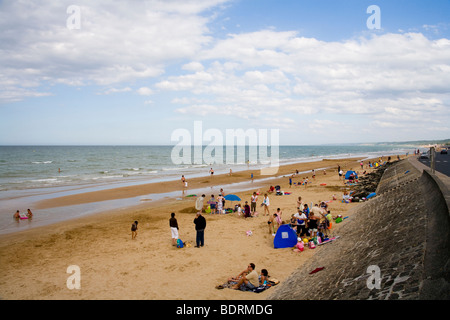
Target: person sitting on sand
(264,277)
(248,278)
(239,209)
(271,189)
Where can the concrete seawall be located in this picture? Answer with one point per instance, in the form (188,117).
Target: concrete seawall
(395,246)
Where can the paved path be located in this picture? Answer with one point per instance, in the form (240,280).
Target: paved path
(442,163)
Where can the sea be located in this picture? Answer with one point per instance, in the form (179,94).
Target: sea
(32,173)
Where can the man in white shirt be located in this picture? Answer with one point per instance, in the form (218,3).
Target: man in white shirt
(301,223)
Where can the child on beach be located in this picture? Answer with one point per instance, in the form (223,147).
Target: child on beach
(278,218)
(212,204)
(239,209)
(266,204)
(134,228)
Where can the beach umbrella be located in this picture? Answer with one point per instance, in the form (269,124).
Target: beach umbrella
(232,197)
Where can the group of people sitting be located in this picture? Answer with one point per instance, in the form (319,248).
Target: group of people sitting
(249,280)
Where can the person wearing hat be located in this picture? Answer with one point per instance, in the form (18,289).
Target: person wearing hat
(200,225)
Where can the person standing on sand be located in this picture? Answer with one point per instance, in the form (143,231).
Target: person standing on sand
(247,213)
(212,204)
(253,200)
(266,204)
(200,225)
(271,224)
(220,204)
(199,203)
(173,223)
(134,228)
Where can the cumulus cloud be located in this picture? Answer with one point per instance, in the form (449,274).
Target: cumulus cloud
(116,41)
(281,74)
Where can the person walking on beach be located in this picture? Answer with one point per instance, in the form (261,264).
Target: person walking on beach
(200,225)
(173,223)
(134,228)
(199,203)
(299,203)
(266,204)
(253,200)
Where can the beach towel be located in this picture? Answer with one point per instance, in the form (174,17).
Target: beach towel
(272,282)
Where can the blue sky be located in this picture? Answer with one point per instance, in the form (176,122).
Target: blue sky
(136,71)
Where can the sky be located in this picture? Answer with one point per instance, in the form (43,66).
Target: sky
(136,72)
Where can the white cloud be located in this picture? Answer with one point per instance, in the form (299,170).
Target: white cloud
(144,91)
(277,73)
(117,41)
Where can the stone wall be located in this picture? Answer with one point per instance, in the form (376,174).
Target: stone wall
(385,250)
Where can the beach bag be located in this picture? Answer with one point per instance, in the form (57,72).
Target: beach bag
(312,245)
(180,243)
(339,219)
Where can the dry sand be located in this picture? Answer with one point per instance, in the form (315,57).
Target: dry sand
(113,266)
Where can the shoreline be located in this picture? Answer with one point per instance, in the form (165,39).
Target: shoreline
(144,189)
(93,203)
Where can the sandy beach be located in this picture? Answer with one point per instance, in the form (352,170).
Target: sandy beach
(113,266)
